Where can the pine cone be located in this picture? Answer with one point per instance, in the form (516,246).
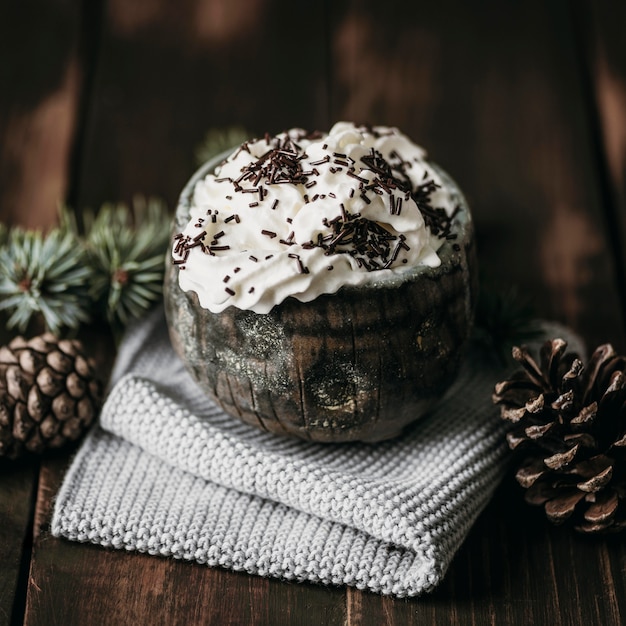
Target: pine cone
(48,394)
(569,424)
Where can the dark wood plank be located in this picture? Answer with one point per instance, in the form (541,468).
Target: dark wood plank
(17,487)
(18,480)
(167,74)
(509,120)
(40,83)
(600,30)
(305,604)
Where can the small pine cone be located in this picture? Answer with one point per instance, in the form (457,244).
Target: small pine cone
(49,394)
(569,426)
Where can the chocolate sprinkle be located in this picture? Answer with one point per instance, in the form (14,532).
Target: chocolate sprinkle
(321,161)
(280,164)
(353,175)
(370,244)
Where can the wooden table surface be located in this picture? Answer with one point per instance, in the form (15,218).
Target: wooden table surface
(523,102)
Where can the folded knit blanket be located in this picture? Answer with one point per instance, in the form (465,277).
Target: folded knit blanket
(169,473)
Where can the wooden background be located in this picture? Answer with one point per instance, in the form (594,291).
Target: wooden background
(523,102)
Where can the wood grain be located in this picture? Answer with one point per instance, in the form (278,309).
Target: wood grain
(169,73)
(40,83)
(17,487)
(39,88)
(599,27)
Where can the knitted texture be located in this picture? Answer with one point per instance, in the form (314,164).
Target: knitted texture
(168,473)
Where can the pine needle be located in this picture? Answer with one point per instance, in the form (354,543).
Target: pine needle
(125,251)
(43,275)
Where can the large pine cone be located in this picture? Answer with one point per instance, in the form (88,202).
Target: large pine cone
(49,394)
(569,424)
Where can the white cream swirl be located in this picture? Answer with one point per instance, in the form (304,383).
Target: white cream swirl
(304,214)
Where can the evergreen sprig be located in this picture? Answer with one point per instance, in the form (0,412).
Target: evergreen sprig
(43,275)
(125,252)
(113,268)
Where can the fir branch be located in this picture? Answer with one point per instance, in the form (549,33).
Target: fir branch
(125,252)
(43,275)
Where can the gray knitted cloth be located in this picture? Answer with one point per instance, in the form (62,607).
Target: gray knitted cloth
(168,473)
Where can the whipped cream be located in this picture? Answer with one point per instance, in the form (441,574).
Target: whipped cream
(303,214)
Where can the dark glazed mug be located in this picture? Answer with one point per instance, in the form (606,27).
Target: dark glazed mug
(357,365)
